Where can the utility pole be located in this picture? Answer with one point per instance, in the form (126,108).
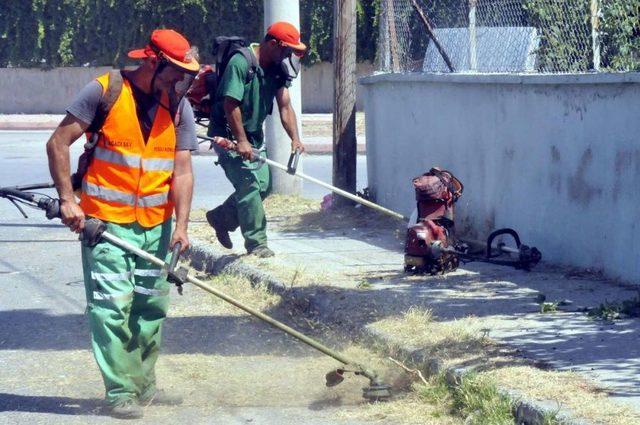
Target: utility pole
(473,37)
(595,34)
(276,138)
(344,95)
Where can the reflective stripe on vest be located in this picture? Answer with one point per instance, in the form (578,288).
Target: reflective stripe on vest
(132,161)
(109,195)
(153,164)
(153,200)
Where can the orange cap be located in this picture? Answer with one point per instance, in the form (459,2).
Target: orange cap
(288,35)
(169,45)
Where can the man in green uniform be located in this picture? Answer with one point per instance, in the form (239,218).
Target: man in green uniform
(239,112)
(128,297)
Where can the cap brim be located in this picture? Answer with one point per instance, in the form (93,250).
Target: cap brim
(192,66)
(299,49)
(138,54)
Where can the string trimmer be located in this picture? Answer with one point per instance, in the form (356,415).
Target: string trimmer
(431,245)
(94,232)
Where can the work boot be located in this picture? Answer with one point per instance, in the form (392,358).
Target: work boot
(126,409)
(221,233)
(262,251)
(161,398)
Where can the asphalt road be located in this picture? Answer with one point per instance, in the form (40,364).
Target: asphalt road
(230,368)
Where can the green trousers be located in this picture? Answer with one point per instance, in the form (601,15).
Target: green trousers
(244,207)
(127,301)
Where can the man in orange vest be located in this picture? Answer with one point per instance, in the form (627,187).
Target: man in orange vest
(139,175)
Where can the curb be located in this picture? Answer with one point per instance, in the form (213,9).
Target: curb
(526,411)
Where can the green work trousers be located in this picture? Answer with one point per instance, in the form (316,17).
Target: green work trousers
(127,301)
(244,207)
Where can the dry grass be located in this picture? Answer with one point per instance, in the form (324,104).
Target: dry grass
(453,341)
(410,409)
(568,389)
(239,288)
(457,342)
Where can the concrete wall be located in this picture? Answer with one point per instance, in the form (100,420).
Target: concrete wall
(555,157)
(34,91)
(317,87)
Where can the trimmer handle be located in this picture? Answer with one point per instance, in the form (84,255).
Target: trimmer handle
(179,276)
(175,256)
(292,165)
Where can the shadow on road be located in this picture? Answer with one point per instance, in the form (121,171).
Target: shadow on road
(55,405)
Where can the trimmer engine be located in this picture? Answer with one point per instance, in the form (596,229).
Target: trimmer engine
(429,240)
(431,245)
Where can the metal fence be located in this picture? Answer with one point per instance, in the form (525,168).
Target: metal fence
(509,36)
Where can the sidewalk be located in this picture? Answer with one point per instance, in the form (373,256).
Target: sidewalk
(350,272)
(316,129)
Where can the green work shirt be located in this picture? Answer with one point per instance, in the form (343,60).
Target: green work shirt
(256,97)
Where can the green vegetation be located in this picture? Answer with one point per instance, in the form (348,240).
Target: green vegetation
(616,310)
(475,398)
(48,33)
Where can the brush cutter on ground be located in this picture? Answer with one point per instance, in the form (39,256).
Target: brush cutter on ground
(431,245)
(94,232)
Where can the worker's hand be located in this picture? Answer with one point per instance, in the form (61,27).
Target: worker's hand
(297,144)
(72,215)
(245,150)
(179,235)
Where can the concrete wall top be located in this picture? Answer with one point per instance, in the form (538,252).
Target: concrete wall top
(601,78)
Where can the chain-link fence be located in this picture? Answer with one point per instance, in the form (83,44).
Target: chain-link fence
(509,36)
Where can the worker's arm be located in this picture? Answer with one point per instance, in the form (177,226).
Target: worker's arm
(69,130)
(234,117)
(288,118)
(181,194)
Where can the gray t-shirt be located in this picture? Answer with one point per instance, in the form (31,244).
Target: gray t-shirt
(85,104)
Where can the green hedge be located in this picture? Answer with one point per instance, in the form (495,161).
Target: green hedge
(51,33)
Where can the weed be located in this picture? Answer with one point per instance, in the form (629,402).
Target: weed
(363,284)
(548,307)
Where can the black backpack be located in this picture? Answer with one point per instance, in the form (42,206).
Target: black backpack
(202,93)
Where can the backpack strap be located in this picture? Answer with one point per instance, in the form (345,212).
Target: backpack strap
(108,99)
(251,59)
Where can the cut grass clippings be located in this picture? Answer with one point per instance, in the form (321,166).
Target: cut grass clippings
(478,390)
(457,340)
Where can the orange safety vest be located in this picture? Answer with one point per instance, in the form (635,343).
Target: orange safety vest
(127,180)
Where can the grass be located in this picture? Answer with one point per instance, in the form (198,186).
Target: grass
(617,310)
(461,343)
(476,399)
(456,340)
(548,307)
(239,288)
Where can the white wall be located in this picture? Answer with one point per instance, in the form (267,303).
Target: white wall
(317,87)
(555,157)
(34,91)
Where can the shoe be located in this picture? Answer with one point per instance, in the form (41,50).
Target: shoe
(161,398)
(126,409)
(221,233)
(262,251)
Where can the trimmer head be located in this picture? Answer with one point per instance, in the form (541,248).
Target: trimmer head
(377,391)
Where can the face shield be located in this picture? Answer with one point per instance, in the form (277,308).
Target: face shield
(290,67)
(173,80)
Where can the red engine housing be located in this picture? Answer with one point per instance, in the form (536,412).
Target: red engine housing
(436,194)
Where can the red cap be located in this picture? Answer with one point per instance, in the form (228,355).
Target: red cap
(171,46)
(288,35)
